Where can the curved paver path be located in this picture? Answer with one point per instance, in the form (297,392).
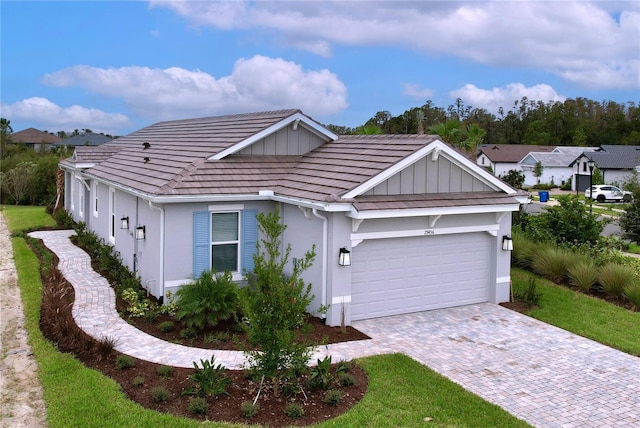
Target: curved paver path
(539,373)
(94,310)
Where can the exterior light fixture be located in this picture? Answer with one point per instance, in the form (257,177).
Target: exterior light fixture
(507,243)
(141,232)
(124,222)
(344,257)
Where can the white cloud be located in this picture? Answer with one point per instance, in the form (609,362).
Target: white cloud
(415,91)
(44,114)
(494,98)
(593,44)
(255,84)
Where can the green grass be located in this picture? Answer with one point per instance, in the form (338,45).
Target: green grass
(634,248)
(26,217)
(401,391)
(583,315)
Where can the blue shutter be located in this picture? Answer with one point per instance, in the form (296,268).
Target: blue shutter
(249,239)
(201,242)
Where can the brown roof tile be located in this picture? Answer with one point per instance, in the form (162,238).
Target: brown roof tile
(33,136)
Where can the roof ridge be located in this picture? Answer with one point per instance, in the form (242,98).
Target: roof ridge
(179,177)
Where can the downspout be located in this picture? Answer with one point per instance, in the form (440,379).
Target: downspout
(162,239)
(325,241)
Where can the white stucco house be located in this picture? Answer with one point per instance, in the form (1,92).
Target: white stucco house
(617,164)
(558,166)
(502,158)
(424,226)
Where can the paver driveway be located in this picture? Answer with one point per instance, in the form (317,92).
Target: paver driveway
(539,373)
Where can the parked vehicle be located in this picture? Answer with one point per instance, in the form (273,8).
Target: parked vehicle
(606,192)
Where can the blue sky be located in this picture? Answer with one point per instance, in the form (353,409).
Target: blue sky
(116,66)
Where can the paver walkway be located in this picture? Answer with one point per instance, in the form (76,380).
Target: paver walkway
(537,372)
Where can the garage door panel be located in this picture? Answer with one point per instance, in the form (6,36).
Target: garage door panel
(403,275)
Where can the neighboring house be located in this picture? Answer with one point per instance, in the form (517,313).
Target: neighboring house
(90,139)
(424,226)
(502,158)
(34,139)
(616,163)
(557,166)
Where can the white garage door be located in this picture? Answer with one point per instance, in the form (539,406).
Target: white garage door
(403,275)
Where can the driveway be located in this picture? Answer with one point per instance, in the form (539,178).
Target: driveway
(537,372)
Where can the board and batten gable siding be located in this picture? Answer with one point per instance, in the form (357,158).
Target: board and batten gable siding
(202,240)
(285,141)
(427,176)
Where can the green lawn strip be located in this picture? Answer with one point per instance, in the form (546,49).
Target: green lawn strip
(583,315)
(403,393)
(25,217)
(634,248)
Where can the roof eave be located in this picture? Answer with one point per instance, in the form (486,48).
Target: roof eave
(436,211)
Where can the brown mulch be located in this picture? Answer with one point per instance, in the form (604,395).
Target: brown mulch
(58,326)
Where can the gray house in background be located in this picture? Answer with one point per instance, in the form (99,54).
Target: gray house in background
(424,226)
(90,139)
(616,163)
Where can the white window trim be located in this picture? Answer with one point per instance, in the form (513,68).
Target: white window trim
(73,189)
(81,202)
(95,199)
(235,273)
(112,215)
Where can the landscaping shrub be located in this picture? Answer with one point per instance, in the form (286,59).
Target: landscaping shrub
(294,410)
(320,376)
(632,292)
(248,409)
(164,371)
(583,275)
(346,379)
(209,380)
(552,263)
(198,405)
(614,278)
(124,362)
(530,294)
(138,381)
(165,326)
(208,300)
(63,219)
(160,394)
(524,249)
(333,397)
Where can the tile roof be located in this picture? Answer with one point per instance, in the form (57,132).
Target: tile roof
(510,152)
(616,157)
(91,139)
(554,159)
(33,136)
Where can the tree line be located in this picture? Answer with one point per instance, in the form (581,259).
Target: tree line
(573,122)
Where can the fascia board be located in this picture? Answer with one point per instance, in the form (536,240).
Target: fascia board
(442,149)
(313,126)
(421,212)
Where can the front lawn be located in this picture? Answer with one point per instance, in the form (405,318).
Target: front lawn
(401,391)
(581,314)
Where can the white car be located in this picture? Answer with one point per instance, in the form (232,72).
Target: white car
(606,192)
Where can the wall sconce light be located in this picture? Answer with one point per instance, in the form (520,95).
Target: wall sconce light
(124,223)
(141,232)
(344,258)
(507,243)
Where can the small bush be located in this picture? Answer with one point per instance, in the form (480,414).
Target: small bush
(346,379)
(63,219)
(124,362)
(530,294)
(294,410)
(165,326)
(164,371)
(198,406)
(221,336)
(583,275)
(188,333)
(160,394)
(333,397)
(138,381)
(632,292)
(248,409)
(209,380)
(614,278)
(320,376)
(105,346)
(208,300)
(343,367)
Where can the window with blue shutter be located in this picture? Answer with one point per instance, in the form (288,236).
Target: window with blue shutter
(216,239)
(249,239)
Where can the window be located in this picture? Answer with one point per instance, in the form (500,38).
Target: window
(112,215)
(95,199)
(225,242)
(584,167)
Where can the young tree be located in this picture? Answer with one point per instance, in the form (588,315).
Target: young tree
(567,223)
(538,169)
(17,181)
(274,305)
